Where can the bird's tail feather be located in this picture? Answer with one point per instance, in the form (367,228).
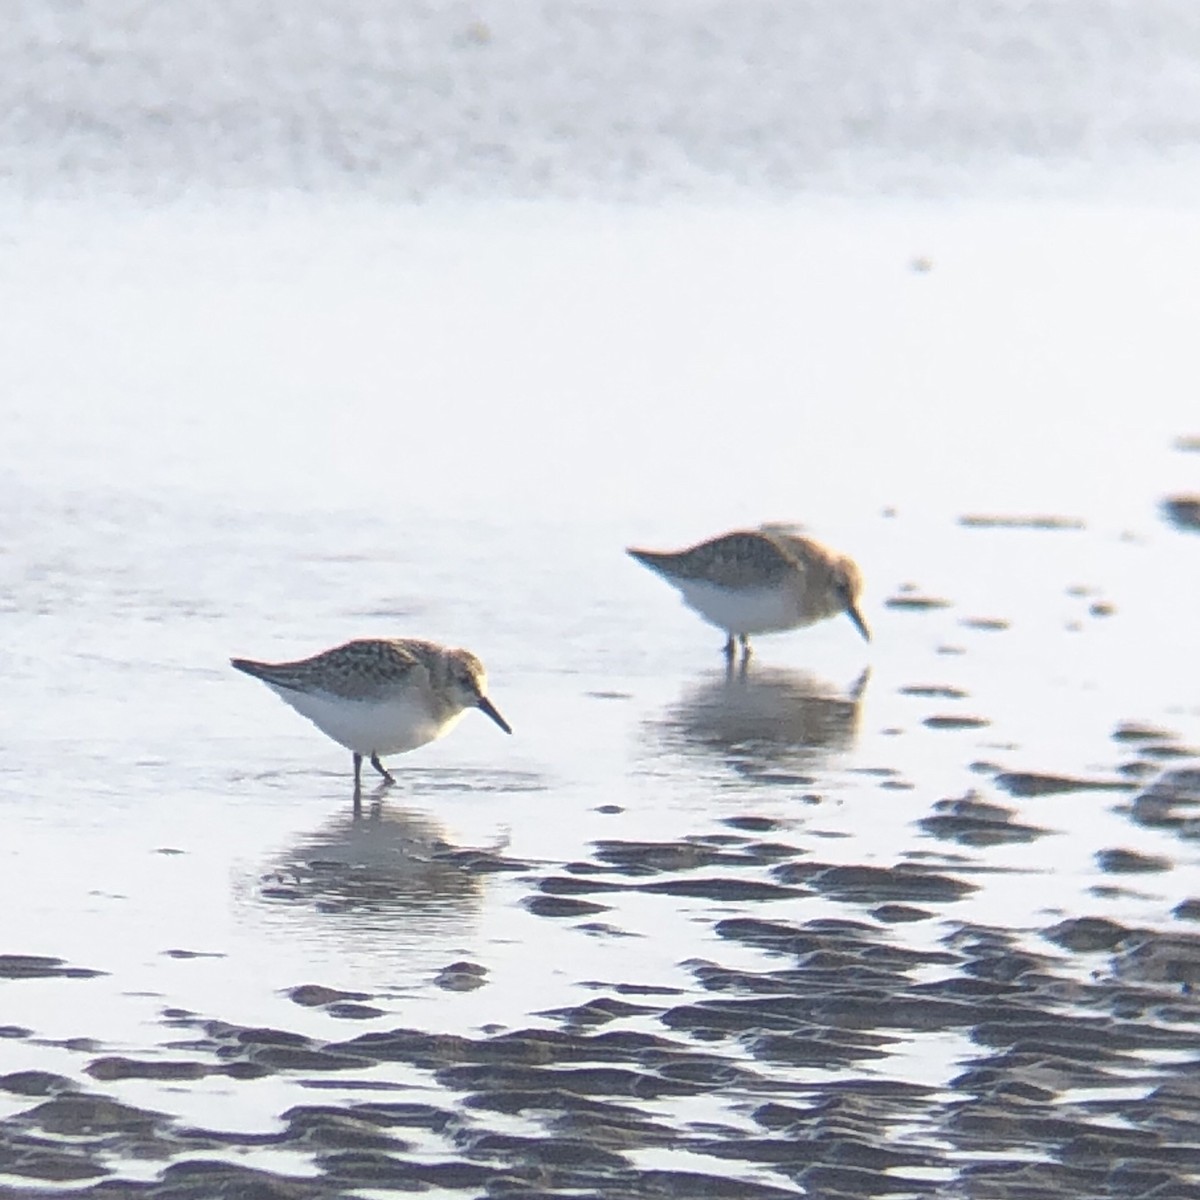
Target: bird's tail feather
(278,676)
(654,559)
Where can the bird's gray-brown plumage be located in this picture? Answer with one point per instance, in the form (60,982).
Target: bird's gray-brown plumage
(761,581)
(380,695)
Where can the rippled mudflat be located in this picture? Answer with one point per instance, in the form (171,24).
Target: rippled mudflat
(913,918)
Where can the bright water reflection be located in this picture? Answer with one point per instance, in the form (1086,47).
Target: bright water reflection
(760,720)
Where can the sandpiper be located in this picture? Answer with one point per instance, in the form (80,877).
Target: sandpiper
(380,695)
(761,581)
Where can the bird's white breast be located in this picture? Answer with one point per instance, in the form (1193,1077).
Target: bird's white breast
(401,722)
(743,610)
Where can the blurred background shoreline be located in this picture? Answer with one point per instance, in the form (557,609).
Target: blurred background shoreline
(612,101)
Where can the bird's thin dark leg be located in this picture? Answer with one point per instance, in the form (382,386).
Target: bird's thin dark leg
(729,647)
(387,775)
(357,783)
(745,646)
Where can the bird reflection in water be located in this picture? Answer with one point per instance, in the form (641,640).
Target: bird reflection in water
(383,866)
(764,721)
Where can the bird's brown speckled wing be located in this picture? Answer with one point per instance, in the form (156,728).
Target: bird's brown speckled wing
(367,669)
(746,558)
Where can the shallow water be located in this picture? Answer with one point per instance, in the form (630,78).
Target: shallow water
(426,424)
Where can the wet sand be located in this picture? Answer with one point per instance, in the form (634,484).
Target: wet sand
(909,919)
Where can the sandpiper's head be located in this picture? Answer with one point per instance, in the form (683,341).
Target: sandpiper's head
(847,585)
(466,683)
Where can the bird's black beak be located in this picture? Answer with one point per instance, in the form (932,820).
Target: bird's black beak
(861,625)
(491,710)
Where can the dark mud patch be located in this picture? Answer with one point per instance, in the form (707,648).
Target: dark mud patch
(753,824)
(461,976)
(118,1067)
(775,1068)
(790,1046)
(1131,862)
(717,888)
(36,966)
(1171,802)
(347,1006)
(1034,783)
(986,624)
(723,890)
(914,602)
(1086,935)
(934,691)
(955,722)
(971,821)
(314,995)
(599,1012)
(36,1083)
(1182,512)
(902,882)
(563,906)
(715,850)
(1134,731)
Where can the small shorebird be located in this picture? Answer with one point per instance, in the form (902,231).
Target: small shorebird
(761,581)
(380,695)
